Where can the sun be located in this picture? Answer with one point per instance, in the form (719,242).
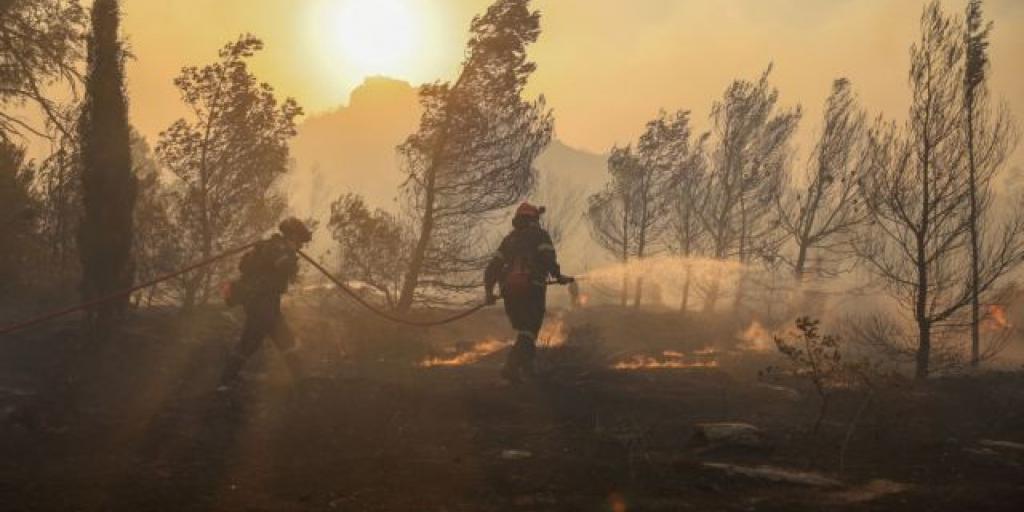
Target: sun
(374,37)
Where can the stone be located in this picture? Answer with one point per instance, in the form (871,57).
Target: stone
(729,434)
(776,475)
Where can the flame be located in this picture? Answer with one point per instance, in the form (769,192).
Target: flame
(670,359)
(755,337)
(554,332)
(617,503)
(475,353)
(995,318)
(584,299)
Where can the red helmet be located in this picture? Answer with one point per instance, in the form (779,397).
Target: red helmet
(529,210)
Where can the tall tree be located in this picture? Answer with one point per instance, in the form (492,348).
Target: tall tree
(227,160)
(58,185)
(563,205)
(917,197)
(989,135)
(612,213)
(687,233)
(108,183)
(474,151)
(823,213)
(662,150)
(18,219)
(750,148)
(40,46)
(155,235)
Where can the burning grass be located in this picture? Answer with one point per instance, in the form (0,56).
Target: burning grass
(473,354)
(669,359)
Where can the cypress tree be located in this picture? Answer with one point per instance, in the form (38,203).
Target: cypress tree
(108,184)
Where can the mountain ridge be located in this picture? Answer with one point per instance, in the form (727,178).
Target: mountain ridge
(352,149)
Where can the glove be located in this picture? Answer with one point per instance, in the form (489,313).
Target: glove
(490,299)
(563,280)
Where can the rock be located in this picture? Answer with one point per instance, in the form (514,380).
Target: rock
(1002,445)
(776,475)
(729,434)
(782,392)
(516,454)
(998,453)
(870,491)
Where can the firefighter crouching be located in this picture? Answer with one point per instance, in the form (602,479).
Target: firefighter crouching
(521,267)
(266,271)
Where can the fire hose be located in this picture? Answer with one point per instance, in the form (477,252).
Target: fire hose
(121,293)
(10,329)
(380,312)
(384,314)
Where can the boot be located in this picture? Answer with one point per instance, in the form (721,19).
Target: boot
(294,364)
(510,371)
(232,373)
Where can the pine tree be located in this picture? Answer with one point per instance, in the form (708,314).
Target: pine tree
(108,184)
(975,68)
(473,154)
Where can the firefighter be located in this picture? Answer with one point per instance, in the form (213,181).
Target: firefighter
(521,268)
(266,271)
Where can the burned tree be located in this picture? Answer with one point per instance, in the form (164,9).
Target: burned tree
(474,151)
(989,135)
(686,231)
(670,163)
(917,197)
(611,213)
(630,217)
(749,151)
(662,149)
(822,214)
(227,160)
(564,207)
(108,183)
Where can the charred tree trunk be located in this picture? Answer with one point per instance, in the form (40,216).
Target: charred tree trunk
(972,227)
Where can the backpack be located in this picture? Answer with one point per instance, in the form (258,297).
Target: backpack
(517,282)
(238,291)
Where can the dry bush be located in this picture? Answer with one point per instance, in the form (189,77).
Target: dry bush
(818,359)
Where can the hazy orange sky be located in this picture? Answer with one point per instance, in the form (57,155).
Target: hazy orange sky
(606,66)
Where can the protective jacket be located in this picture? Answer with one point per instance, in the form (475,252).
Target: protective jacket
(268,269)
(526,258)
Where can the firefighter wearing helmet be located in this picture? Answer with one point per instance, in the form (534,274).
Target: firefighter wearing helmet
(266,271)
(521,268)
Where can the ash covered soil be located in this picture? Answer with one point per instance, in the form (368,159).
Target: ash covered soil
(387,419)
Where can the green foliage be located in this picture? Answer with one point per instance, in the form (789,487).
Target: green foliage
(41,44)
(372,246)
(108,182)
(473,153)
(155,236)
(227,160)
(18,214)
